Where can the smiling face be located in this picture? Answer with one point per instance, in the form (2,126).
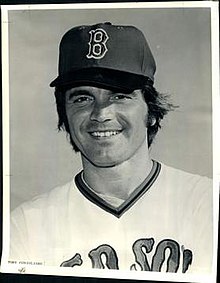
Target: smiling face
(107,127)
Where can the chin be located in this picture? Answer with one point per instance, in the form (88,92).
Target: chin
(107,162)
(103,163)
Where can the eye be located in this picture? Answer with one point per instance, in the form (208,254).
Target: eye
(120,97)
(80,99)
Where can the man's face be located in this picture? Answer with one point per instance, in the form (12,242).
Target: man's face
(108,127)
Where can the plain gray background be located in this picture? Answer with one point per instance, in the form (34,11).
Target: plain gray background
(40,157)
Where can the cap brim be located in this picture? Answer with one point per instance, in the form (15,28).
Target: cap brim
(100,77)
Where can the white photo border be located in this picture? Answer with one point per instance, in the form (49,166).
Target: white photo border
(7,268)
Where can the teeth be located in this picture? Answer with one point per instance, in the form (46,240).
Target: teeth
(105,134)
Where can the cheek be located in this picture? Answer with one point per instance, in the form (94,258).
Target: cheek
(75,120)
(134,118)
(144,118)
(140,116)
(140,124)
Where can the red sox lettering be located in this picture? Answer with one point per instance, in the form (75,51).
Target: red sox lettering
(172,264)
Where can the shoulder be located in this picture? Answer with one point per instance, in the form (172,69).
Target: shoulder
(187,189)
(178,176)
(49,201)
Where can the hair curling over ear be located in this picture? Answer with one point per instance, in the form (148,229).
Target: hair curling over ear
(158,106)
(62,117)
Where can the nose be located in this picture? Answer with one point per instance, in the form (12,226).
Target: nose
(101,112)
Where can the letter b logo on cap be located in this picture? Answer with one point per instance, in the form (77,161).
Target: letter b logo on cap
(97,44)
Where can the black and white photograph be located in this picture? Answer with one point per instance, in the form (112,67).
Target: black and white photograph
(110,140)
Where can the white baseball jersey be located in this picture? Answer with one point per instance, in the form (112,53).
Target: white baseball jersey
(165,225)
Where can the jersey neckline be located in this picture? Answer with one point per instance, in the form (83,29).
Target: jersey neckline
(133,198)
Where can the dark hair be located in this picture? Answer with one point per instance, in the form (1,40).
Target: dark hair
(158,106)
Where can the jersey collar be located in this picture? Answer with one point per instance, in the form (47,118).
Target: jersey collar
(133,198)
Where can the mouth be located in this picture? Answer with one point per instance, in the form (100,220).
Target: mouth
(105,134)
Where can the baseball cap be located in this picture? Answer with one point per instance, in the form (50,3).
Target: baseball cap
(105,55)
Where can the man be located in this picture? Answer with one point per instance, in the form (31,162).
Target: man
(123,210)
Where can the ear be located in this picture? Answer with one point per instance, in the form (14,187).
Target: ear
(151,121)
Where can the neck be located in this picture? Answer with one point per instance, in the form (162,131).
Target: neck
(120,180)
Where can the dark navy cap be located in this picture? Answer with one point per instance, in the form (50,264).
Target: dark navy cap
(105,55)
